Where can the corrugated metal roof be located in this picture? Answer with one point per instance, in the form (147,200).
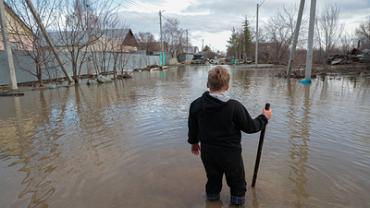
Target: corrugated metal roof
(116,33)
(61,38)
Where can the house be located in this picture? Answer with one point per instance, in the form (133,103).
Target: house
(365,56)
(153,48)
(117,40)
(20,35)
(109,40)
(192,49)
(126,35)
(188,54)
(185,57)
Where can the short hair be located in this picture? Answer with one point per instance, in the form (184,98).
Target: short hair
(218,77)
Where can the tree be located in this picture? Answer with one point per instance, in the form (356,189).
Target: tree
(279,32)
(146,41)
(363,33)
(174,36)
(346,43)
(239,45)
(328,29)
(82,27)
(247,39)
(208,52)
(102,51)
(232,44)
(33,45)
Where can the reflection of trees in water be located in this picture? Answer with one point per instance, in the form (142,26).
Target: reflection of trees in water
(324,88)
(97,109)
(345,85)
(181,72)
(38,150)
(299,140)
(92,116)
(361,84)
(241,78)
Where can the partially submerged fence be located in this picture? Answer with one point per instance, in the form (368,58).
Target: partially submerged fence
(25,66)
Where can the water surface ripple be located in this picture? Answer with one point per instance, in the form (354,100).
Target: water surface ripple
(124,144)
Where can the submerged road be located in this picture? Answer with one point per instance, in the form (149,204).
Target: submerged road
(123,144)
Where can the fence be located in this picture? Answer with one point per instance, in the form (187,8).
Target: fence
(25,66)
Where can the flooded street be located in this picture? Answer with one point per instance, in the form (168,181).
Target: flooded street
(123,144)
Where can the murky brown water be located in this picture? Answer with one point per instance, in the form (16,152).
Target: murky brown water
(124,144)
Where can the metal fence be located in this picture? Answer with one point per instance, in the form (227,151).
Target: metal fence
(25,66)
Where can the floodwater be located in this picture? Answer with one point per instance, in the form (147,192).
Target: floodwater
(123,144)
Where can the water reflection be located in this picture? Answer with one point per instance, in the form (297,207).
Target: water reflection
(324,88)
(299,141)
(123,144)
(214,204)
(37,156)
(255,203)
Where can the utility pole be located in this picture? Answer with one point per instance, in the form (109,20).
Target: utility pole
(161,34)
(7,47)
(295,39)
(257,34)
(187,41)
(256,58)
(311,30)
(48,40)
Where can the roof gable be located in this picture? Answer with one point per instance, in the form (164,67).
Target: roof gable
(116,33)
(12,13)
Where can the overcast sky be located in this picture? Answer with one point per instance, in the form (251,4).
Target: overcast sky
(212,20)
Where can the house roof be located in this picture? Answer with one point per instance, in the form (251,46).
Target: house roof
(15,15)
(116,33)
(58,38)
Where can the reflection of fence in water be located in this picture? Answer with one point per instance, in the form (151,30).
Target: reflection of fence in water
(36,151)
(38,139)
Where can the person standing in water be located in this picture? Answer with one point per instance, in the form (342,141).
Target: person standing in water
(215,124)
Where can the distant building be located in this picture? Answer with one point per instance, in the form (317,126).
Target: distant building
(152,47)
(20,35)
(185,57)
(365,56)
(192,49)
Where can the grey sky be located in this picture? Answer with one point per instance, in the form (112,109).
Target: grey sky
(212,20)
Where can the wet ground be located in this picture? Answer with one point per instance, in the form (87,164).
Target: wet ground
(123,144)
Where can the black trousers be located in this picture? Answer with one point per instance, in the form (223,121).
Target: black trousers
(219,161)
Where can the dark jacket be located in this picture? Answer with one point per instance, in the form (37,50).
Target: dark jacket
(215,123)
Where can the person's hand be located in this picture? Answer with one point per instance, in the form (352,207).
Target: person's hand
(195,149)
(267,113)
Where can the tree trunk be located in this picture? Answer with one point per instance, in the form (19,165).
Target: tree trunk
(74,69)
(39,74)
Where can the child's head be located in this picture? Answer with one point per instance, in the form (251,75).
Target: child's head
(218,79)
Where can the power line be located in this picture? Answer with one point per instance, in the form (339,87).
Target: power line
(121,4)
(168,19)
(262,2)
(131,2)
